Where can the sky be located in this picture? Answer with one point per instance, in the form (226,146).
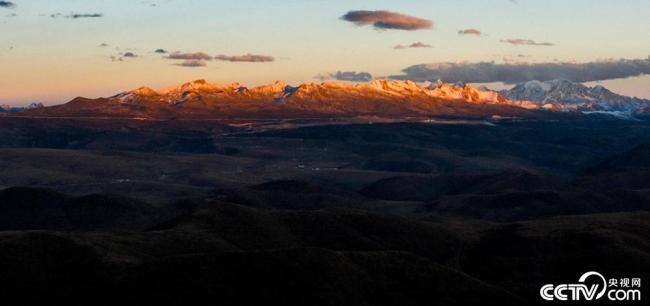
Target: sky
(53,51)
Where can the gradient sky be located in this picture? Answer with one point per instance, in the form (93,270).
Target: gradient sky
(55,59)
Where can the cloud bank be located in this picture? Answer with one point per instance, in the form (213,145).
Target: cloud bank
(250,58)
(387,20)
(520,72)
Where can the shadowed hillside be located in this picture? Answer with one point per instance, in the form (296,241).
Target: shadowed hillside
(178,212)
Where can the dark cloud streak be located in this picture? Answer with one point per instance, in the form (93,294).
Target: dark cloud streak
(202,56)
(77,16)
(192,63)
(7,4)
(250,58)
(387,20)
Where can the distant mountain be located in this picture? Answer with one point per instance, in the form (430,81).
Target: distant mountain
(14,109)
(200,99)
(565,95)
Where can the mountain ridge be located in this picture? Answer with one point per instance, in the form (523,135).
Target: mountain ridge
(200,99)
(5,108)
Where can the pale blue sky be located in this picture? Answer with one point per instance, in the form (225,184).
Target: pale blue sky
(54,59)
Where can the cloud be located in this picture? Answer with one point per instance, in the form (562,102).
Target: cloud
(7,4)
(386,20)
(251,58)
(103,45)
(198,56)
(121,57)
(526,42)
(161,51)
(77,16)
(413,45)
(193,63)
(350,76)
(470,32)
(520,72)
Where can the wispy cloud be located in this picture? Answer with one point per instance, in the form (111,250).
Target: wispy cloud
(521,72)
(413,45)
(201,56)
(470,32)
(350,76)
(251,58)
(387,20)
(77,16)
(526,42)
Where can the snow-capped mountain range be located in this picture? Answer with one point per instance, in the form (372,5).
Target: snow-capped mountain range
(565,95)
(387,98)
